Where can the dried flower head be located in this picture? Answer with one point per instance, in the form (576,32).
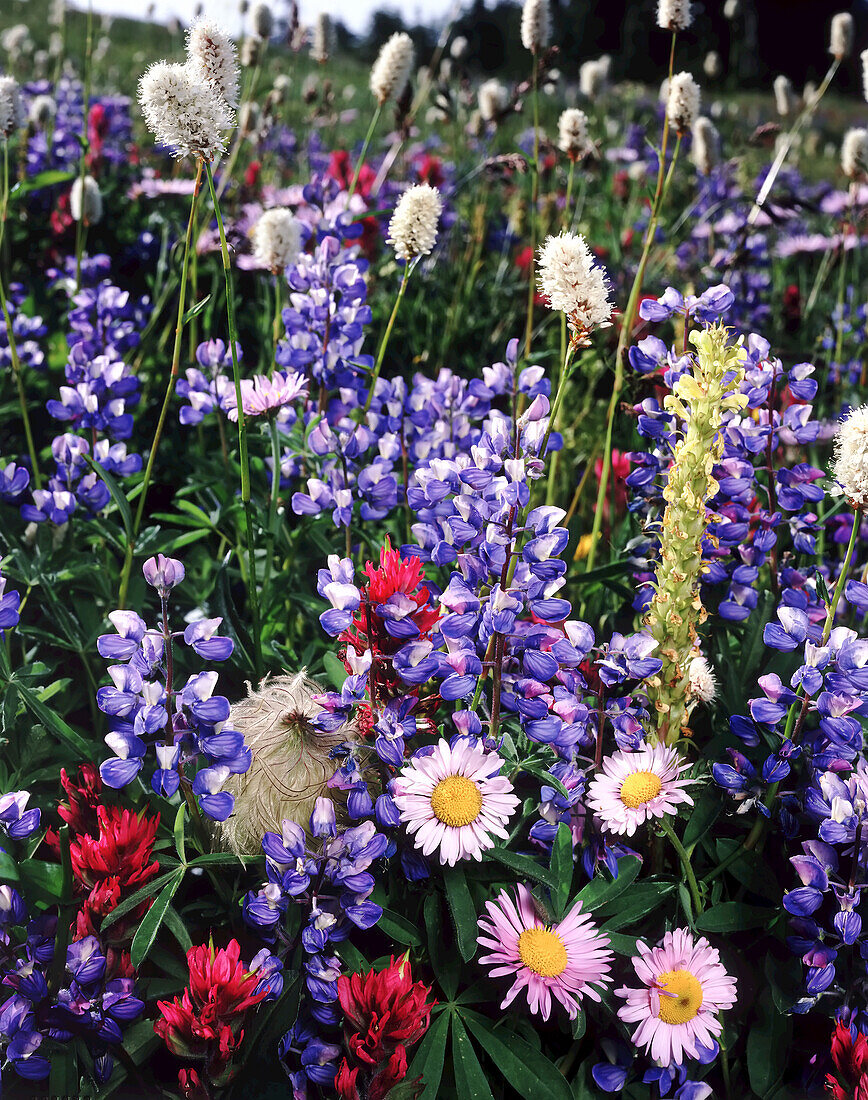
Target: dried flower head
(212,58)
(572,282)
(391,70)
(263,21)
(674,15)
(854,153)
(42,110)
(683,106)
(705,153)
(276,239)
(850,465)
(535,25)
(573,136)
(85,201)
(291,762)
(492,98)
(187,116)
(11,109)
(413,228)
(785,99)
(841,36)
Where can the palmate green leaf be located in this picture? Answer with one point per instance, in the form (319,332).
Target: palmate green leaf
(430,1055)
(527,1070)
(640,899)
(562,867)
(469,1074)
(734,916)
(600,891)
(142,894)
(768,1046)
(54,723)
(176,926)
(462,909)
(44,880)
(524,866)
(444,960)
(147,931)
(399,928)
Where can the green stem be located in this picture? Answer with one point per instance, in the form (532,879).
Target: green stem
(683,855)
(170,389)
(82,160)
(19,384)
(5,204)
(534,199)
(272,507)
(554,414)
(278,310)
(242,431)
(384,343)
(374,120)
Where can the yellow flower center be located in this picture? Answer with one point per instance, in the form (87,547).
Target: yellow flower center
(685,996)
(456,801)
(639,788)
(543,952)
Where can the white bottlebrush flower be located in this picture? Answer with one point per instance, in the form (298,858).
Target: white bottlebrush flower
(212,58)
(248,117)
(674,15)
(276,239)
(864,58)
(391,70)
(705,153)
(322,45)
(492,98)
(263,21)
(573,136)
(731,9)
(458,49)
(784,96)
(591,79)
(854,153)
(535,25)
(85,201)
(703,684)
(291,763)
(11,109)
(683,106)
(251,48)
(42,110)
(712,66)
(189,117)
(572,282)
(841,35)
(850,464)
(413,227)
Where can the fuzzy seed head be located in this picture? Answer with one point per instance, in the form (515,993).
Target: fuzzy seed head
(683,104)
(188,117)
(276,239)
(263,21)
(850,464)
(572,282)
(11,109)
(213,58)
(535,25)
(674,15)
(85,201)
(841,35)
(854,153)
(573,136)
(291,764)
(705,153)
(392,68)
(42,110)
(492,97)
(413,228)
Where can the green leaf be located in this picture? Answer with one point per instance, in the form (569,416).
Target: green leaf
(469,1076)
(527,1070)
(640,899)
(734,916)
(178,832)
(399,928)
(8,868)
(40,180)
(196,309)
(429,1057)
(620,944)
(705,813)
(462,909)
(562,867)
(524,866)
(176,926)
(44,879)
(444,961)
(768,1045)
(153,918)
(145,893)
(600,891)
(117,495)
(224,859)
(54,723)
(334,670)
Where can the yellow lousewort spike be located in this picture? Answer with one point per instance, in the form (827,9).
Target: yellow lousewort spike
(699,399)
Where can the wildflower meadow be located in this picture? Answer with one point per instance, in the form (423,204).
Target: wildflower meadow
(433,561)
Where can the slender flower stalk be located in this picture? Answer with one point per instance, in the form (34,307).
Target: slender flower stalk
(82,160)
(384,343)
(375,118)
(19,385)
(243,455)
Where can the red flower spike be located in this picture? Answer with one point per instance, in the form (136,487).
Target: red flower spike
(345,1082)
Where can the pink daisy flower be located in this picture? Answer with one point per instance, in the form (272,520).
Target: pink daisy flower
(564,960)
(261,395)
(686,985)
(454,800)
(636,786)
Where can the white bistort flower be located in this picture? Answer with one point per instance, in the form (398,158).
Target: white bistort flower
(492,98)
(572,282)
(392,68)
(864,58)
(11,109)
(705,153)
(841,36)
(85,201)
(322,45)
(413,227)
(635,786)
(42,111)
(785,99)
(854,153)
(535,25)
(674,15)
(454,801)
(703,684)
(573,136)
(683,104)
(212,58)
(592,79)
(184,114)
(850,465)
(276,239)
